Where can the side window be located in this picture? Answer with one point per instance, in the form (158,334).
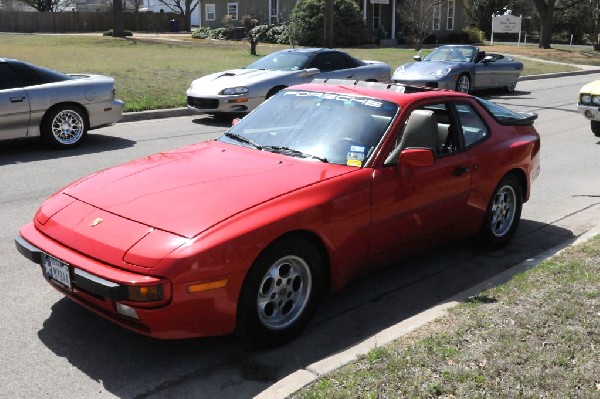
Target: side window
(327,62)
(8,77)
(429,126)
(473,127)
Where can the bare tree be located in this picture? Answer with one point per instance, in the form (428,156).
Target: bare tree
(419,14)
(118,30)
(185,8)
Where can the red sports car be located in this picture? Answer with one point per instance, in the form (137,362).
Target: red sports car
(321,183)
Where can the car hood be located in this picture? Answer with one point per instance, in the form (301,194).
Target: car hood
(216,82)
(591,88)
(187,191)
(426,68)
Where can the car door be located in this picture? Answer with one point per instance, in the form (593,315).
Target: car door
(412,203)
(496,73)
(14,105)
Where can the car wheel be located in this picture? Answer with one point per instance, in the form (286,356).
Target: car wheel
(64,126)
(596,128)
(463,83)
(503,213)
(280,292)
(510,88)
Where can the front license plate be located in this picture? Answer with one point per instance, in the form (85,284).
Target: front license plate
(56,270)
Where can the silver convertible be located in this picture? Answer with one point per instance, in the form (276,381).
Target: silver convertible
(461,68)
(61,108)
(239,91)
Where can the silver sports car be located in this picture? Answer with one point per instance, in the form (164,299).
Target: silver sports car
(61,108)
(242,90)
(461,68)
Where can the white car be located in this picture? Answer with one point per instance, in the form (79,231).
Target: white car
(239,91)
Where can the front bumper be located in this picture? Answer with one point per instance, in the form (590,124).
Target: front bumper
(223,104)
(589,111)
(207,313)
(446,82)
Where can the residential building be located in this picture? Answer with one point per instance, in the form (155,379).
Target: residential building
(448,15)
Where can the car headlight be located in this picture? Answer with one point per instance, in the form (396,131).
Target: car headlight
(586,99)
(596,100)
(442,72)
(234,91)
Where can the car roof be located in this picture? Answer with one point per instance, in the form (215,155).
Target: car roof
(395,92)
(308,50)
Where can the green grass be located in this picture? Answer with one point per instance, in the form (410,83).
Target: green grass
(156,74)
(537,336)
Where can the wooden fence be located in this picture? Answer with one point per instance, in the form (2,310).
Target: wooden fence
(63,22)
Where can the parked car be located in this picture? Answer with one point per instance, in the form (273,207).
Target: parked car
(239,91)
(36,101)
(589,105)
(319,184)
(462,68)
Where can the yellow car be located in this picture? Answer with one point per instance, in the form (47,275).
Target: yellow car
(589,104)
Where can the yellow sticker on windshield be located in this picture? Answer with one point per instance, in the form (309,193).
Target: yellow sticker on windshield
(354,162)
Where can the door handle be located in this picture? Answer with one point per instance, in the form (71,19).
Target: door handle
(17,99)
(459,171)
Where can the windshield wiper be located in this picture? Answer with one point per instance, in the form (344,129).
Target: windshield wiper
(243,139)
(293,152)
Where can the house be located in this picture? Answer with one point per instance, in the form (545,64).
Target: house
(448,15)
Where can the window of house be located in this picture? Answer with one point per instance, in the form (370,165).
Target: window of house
(210,12)
(450,21)
(437,13)
(376,16)
(232,9)
(273,11)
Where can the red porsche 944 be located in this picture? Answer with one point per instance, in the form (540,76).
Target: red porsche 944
(322,182)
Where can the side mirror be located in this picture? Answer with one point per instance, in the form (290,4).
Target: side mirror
(416,158)
(417,58)
(311,71)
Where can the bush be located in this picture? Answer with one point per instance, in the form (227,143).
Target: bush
(110,33)
(475,35)
(307,20)
(202,33)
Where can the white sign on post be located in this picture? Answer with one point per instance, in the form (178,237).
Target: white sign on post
(506,24)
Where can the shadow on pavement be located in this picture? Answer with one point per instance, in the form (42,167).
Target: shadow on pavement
(130,365)
(33,149)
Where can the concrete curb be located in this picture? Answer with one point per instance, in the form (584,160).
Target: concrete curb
(301,378)
(155,114)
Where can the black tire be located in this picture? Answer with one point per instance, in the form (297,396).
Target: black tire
(510,88)
(463,83)
(596,128)
(503,214)
(65,126)
(268,316)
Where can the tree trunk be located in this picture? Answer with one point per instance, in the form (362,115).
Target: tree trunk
(545,9)
(118,19)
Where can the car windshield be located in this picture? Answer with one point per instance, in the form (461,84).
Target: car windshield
(336,128)
(452,54)
(282,61)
